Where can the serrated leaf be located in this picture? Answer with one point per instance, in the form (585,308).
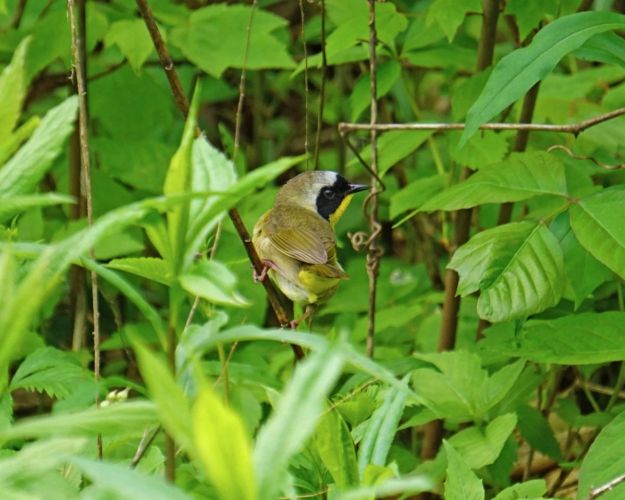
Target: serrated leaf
(520,177)
(223,447)
(449,14)
(461,482)
(206,39)
(517,72)
(335,446)
(12,91)
(597,221)
(133,40)
(295,417)
(151,268)
(22,173)
(605,461)
(517,267)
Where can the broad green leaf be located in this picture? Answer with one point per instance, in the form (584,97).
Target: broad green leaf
(456,57)
(393,147)
(223,447)
(119,480)
(597,223)
(295,417)
(391,487)
(133,40)
(521,176)
(13,86)
(535,488)
(604,47)
(482,149)
(515,73)
(120,418)
(605,461)
(335,446)
(575,339)
(480,446)
(415,194)
(536,430)
(12,205)
(171,403)
(214,282)
(151,268)
(387,74)
(206,39)
(459,389)
(461,482)
(517,267)
(449,14)
(529,13)
(420,34)
(351,18)
(381,430)
(22,173)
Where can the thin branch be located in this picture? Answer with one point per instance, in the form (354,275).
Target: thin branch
(303,32)
(322,88)
(569,128)
(183,106)
(78,53)
(144,445)
(606,487)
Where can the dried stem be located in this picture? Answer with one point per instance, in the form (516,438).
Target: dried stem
(78,53)
(596,492)
(183,106)
(303,21)
(322,88)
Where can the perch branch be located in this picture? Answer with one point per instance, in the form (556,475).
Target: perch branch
(79,66)
(183,106)
(569,128)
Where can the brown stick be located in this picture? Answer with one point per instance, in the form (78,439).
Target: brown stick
(569,128)
(78,41)
(373,251)
(183,105)
(322,88)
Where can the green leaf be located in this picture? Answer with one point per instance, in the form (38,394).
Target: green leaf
(597,223)
(151,268)
(420,34)
(605,461)
(172,405)
(335,446)
(381,429)
(214,282)
(17,138)
(604,47)
(482,149)
(575,339)
(520,177)
(517,267)
(529,13)
(295,417)
(387,74)
(449,14)
(529,489)
(133,40)
(120,418)
(206,39)
(12,205)
(461,482)
(22,173)
(13,86)
(415,194)
(392,487)
(515,73)
(223,447)
(536,430)
(393,147)
(127,483)
(481,446)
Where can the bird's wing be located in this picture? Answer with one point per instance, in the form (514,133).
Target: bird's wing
(300,244)
(328,270)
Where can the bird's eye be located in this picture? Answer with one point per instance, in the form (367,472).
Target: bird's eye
(328,193)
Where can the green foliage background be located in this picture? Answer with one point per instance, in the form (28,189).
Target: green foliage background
(529,400)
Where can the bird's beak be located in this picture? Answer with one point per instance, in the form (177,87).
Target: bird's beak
(355,188)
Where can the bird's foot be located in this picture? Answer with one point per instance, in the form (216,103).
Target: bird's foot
(267,265)
(308,313)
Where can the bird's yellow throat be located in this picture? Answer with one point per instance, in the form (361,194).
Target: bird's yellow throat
(338,213)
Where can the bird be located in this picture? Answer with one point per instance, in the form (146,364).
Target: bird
(295,239)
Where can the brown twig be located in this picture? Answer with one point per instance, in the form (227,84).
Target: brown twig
(600,490)
(303,33)
(569,128)
(322,88)
(183,106)
(78,42)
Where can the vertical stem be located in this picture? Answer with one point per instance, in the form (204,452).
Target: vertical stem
(451,304)
(303,34)
(322,88)
(373,252)
(80,62)
(172,340)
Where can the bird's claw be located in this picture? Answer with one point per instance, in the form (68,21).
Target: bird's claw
(267,265)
